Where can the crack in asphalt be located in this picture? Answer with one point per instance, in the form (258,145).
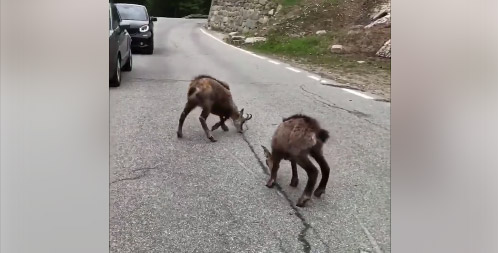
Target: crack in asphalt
(358,114)
(354,112)
(145,79)
(341,86)
(302,234)
(143,172)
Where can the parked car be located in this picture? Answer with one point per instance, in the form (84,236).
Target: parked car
(120,56)
(141,26)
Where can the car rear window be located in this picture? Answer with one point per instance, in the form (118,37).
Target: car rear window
(130,12)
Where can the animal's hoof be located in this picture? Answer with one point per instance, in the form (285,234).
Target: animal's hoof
(302,201)
(319,192)
(225,128)
(294,182)
(270,183)
(212,139)
(180,135)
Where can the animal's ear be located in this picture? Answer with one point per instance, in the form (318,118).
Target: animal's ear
(242,111)
(267,152)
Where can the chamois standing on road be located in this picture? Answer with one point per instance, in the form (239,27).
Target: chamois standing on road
(213,96)
(295,138)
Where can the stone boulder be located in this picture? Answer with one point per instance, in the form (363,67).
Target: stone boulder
(279,7)
(236,40)
(336,49)
(385,51)
(252,40)
(381,11)
(381,22)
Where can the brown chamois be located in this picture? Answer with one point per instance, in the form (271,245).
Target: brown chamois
(295,138)
(213,96)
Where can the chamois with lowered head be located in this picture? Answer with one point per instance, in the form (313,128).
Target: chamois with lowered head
(214,97)
(295,138)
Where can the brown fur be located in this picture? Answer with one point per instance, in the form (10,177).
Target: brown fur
(213,96)
(210,77)
(295,138)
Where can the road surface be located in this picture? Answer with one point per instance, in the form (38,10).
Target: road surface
(191,195)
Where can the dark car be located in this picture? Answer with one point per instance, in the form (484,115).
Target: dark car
(120,56)
(140,26)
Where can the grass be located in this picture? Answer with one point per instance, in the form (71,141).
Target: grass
(315,50)
(293,46)
(289,2)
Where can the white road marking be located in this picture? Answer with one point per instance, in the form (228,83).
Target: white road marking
(357,93)
(274,62)
(325,81)
(245,51)
(293,69)
(212,36)
(314,77)
(260,57)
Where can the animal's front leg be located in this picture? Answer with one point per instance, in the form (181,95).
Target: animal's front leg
(223,126)
(188,108)
(205,113)
(215,126)
(221,123)
(273,173)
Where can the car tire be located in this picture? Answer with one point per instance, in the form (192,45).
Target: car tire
(116,79)
(129,64)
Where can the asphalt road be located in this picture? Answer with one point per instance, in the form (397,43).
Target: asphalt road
(191,195)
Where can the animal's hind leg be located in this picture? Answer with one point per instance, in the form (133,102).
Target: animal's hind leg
(312,172)
(205,113)
(294,179)
(189,106)
(324,167)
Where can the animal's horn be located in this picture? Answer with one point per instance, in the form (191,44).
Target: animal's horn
(249,116)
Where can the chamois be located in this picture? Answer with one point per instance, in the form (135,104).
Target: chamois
(213,96)
(295,138)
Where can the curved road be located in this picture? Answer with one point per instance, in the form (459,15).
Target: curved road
(191,195)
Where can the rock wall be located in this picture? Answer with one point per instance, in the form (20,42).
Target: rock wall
(241,16)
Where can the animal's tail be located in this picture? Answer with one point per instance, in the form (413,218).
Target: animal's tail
(323,135)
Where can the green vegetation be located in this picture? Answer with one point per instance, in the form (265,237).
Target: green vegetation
(315,50)
(313,45)
(289,2)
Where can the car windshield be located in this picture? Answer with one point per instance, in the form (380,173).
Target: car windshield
(130,12)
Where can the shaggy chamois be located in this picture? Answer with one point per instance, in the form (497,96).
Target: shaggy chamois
(213,96)
(295,138)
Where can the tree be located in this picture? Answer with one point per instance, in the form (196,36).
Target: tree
(173,8)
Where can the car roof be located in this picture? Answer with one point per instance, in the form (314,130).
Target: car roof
(138,5)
